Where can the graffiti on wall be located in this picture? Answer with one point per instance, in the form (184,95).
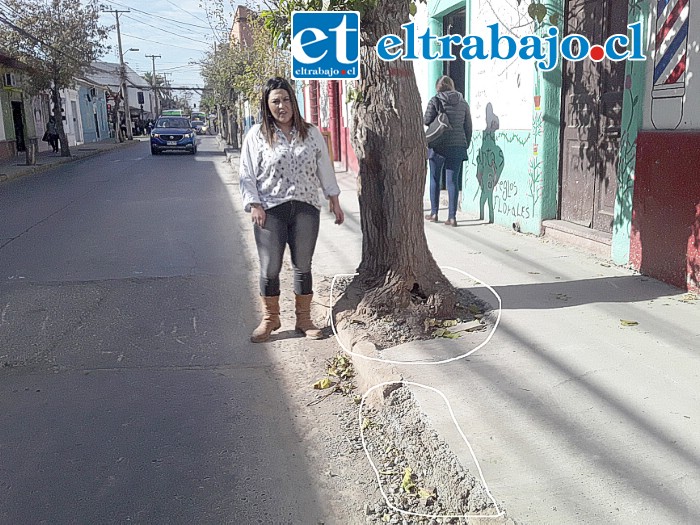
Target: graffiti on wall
(631,122)
(508,201)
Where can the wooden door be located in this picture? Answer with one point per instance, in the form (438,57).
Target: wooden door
(455,23)
(592,112)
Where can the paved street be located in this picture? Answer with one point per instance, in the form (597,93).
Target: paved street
(129,391)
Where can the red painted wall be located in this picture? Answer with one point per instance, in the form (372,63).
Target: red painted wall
(665,240)
(339,128)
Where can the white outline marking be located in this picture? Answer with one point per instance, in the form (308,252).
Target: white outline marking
(406,383)
(471,451)
(389,361)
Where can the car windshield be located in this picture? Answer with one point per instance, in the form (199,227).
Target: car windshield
(173,122)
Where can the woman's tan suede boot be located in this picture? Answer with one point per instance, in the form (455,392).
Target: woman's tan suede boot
(304,323)
(270,321)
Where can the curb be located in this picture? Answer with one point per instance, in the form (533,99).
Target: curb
(24,170)
(231,154)
(368,373)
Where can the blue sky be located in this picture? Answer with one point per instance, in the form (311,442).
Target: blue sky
(178,30)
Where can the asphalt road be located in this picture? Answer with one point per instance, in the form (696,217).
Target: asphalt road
(128,389)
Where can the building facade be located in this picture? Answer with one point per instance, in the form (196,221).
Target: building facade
(93,112)
(600,151)
(16,122)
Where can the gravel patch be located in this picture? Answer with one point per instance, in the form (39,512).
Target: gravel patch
(418,472)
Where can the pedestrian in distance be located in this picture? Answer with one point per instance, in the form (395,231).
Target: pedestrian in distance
(450,149)
(284,161)
(52,134)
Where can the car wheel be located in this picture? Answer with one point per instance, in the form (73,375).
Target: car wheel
(154,151)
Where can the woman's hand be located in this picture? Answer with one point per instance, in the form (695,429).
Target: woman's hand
(258,215)
(336,209)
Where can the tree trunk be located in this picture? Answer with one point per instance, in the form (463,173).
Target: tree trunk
(58,117)
(223,124)
(231,138)
(118,137)
(397,269)
(31,143)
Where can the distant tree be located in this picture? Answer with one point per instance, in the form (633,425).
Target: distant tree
(58,39)
(159,85)
(234,70)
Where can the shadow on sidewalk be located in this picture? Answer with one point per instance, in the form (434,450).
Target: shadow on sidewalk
(565,294)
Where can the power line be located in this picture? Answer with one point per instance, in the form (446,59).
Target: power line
(162,44)
(190,14)
(169,20)
(163,30)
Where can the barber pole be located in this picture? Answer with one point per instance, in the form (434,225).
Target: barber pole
(670,63)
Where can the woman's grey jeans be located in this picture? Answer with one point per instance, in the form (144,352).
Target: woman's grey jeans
(294,223)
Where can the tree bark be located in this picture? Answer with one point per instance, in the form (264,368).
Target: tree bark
(118,137)
(31,143)
(58,117)
(397,270)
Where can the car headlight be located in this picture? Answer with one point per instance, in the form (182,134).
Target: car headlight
(155,135)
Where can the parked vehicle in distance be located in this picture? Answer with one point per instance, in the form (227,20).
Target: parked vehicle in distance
(173,133)
(199,126)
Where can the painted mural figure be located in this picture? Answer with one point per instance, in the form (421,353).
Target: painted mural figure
(489,163)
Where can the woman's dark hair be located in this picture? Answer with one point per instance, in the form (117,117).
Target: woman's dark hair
(268,121)
(445,83)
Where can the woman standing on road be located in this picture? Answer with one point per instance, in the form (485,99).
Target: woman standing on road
(284,161)
(450,150)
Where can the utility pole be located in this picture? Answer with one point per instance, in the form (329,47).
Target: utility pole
(155,85)
(122,74)
(167,85)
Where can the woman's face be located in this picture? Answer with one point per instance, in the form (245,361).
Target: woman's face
(280,105)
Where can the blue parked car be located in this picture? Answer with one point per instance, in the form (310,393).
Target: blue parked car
(173,133)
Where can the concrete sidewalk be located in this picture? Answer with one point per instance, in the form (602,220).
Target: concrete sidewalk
(17,167)
(573,415)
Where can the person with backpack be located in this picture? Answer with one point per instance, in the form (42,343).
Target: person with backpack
(449,150)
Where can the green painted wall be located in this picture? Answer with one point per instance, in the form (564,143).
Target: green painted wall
(499,177)
(632,112)
(550,88)
(7,96)
(8,123)
(513,172)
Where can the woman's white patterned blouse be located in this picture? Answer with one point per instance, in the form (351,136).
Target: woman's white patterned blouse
(288,170)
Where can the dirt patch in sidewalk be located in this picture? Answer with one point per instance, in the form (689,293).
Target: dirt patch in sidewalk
(471,314)
(418,472)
